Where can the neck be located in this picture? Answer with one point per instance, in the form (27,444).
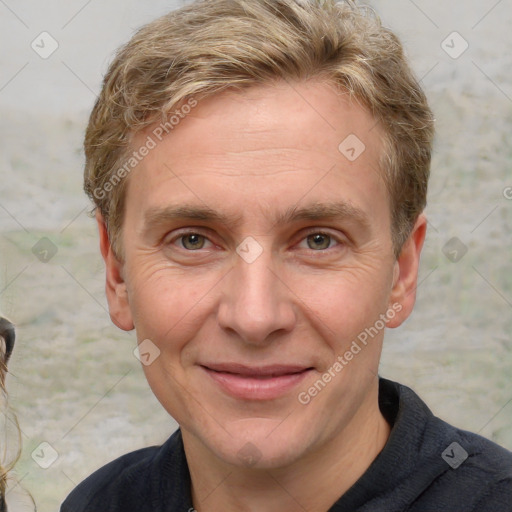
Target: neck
(313,483)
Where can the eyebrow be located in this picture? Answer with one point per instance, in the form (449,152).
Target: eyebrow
(186,212)
(311,212)
(324,211)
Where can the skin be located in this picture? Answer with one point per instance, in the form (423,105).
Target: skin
(251,156)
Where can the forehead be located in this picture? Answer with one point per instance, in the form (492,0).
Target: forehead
(264,147)
(316,114)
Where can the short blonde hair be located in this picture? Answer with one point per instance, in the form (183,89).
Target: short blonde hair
(209,46)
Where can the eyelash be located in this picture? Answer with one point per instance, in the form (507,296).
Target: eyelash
(188,233)
(333,238)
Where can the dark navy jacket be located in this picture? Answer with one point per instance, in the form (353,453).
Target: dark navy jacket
(426,466)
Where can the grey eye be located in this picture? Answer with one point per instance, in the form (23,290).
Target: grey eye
(319,241)
(193,241)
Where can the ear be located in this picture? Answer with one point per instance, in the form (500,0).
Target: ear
(405,279)
(117,295)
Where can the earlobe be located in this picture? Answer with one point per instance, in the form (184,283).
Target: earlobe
(405,278)
(115,286)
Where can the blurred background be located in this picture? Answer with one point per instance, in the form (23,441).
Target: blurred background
(79,393)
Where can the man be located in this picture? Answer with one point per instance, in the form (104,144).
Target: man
(260,169)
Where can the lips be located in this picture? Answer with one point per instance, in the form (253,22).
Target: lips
(256,382)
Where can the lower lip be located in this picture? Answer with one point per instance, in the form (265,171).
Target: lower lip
(251,388)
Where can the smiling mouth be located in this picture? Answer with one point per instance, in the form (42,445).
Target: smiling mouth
(256,383)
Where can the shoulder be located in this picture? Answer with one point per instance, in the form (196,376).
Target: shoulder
(467,471)
(110,480)
(131,482)
(478,468)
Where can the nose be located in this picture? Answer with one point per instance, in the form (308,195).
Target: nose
(256,304)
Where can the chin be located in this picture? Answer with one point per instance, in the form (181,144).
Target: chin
(260,443)
(259,455)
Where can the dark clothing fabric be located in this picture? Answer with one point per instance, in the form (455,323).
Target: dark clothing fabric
(426,466)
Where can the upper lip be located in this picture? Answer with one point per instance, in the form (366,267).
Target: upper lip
(256,371)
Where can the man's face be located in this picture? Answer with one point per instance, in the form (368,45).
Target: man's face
(256,252)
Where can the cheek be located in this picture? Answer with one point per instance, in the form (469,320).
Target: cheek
(166,303)
(344,302)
